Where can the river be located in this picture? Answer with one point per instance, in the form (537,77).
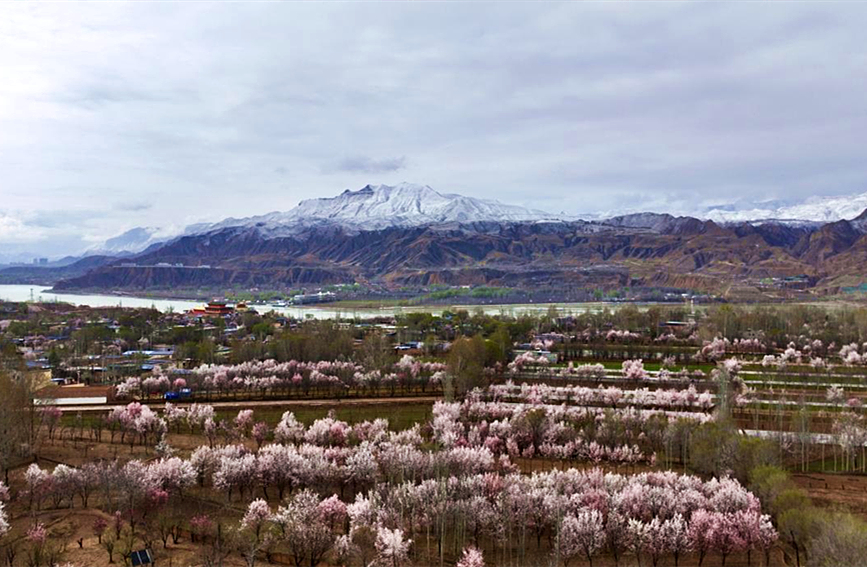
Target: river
(324,311)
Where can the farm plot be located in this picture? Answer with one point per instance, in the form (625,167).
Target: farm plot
(323,490)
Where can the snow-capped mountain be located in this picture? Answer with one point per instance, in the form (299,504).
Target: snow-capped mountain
(383,206)
(407,205)
(813,210)
(478,244)
(143,237)
(133,240)
(369,208)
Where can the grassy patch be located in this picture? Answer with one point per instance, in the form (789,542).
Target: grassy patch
(399,416)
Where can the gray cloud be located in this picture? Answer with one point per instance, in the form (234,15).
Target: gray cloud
(133,206)
(364,164)
(232,109)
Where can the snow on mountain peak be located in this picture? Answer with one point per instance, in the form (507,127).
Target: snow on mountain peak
(368,208)
(407,204)
(133,240)
(814,209)
(383,206)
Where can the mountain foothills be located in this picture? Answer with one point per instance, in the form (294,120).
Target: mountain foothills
(411,236)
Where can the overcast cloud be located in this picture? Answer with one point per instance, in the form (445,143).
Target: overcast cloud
(118,115)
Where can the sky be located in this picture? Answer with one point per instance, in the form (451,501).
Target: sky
(116,115)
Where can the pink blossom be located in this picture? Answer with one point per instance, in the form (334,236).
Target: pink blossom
(835,394)
(583,533)
(392,549)
(333,510)
(260,432)
(201,524)
(471,557)
(258,512)
(37,534)
(289,430)
(634,370)
(244,420)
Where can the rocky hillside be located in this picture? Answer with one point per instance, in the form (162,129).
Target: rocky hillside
(634,250)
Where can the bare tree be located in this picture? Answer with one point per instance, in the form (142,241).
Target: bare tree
(17,419)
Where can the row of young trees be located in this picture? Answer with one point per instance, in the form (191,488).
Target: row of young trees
(631,370)
(613,397)
(577,515)
(450,499)
(772,325)
(623,436)
(285,379)
(19,418)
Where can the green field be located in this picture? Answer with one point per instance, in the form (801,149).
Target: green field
(399,416)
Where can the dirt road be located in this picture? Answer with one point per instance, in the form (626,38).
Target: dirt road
(329,403)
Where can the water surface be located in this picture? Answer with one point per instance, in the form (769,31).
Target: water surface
(325,311)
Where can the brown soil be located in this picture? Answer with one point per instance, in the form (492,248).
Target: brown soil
(849,491)
(68,525)
(73,391)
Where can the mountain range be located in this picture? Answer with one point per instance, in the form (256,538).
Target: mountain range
(413,236)
(815,210)
(406,204)
(369,208)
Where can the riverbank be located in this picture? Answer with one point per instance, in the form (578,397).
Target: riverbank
(21,293)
